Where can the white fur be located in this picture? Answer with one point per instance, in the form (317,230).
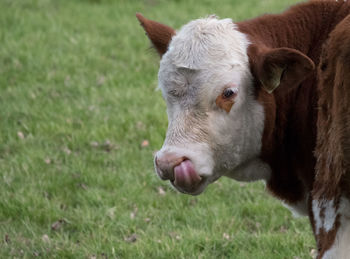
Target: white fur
(341,246)
(205,57)
(204,42)
(316,210)
(329,216)
(327,223)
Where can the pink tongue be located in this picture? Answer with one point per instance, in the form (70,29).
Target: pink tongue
(185,175)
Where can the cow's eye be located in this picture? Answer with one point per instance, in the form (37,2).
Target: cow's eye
(175,93)
(227,98)
(228,92)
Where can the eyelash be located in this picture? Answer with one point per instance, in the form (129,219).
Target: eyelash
(176,93)
(229,92)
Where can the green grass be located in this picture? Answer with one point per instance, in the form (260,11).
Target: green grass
(77,98)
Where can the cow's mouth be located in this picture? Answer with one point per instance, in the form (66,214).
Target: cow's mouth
(187,180)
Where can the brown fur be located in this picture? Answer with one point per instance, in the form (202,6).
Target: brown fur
(333,124)
(159,34)
(280,66)
(291,112)
(290,133)
(333,140)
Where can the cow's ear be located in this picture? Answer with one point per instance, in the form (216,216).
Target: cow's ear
(283,66)
(159,34)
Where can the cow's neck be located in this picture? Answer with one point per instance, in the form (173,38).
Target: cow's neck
(289,136)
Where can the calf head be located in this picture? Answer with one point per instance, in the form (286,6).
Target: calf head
(215,121)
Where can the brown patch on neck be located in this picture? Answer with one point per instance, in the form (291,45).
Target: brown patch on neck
(288,153)
(333,142)
(289,136)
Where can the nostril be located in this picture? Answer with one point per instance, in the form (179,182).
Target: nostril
(161,174)
(165,165)
(161,169)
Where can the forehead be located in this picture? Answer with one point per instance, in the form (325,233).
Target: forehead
(205,42)
(206,47)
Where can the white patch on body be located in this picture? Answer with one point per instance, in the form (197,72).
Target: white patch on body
(316,210)
(326,222)
(341,246)
(329,216)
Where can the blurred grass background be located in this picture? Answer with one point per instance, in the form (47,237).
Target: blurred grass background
(79,122)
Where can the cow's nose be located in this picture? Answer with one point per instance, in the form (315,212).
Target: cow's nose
(165,164)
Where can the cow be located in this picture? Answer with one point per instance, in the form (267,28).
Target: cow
(263,99)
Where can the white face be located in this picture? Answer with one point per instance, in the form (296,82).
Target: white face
(215,123)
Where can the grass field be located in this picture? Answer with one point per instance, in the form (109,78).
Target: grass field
(79,122)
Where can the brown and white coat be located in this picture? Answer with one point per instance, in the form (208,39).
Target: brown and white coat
(289,84)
